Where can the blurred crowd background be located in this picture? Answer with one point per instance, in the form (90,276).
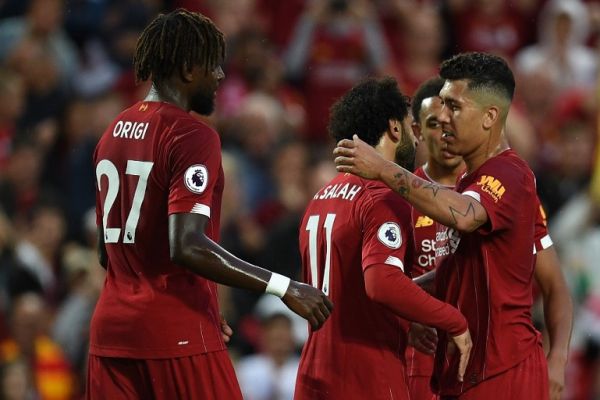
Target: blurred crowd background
(66,72)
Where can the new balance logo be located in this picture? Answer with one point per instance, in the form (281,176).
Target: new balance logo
(423,221)
(143,107)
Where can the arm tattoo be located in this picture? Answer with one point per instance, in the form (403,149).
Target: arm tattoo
(470,210)
(401,183)
(417,183)
(434,188)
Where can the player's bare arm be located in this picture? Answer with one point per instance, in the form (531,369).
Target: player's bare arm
(558,316)
(446,206)
(192,249)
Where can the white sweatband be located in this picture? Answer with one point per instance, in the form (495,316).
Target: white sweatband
(278,285)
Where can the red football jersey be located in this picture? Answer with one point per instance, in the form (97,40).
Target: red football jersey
(349,225)
(489,277)
(155,160)
(433,242)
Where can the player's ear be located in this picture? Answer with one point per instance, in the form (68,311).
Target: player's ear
(394,130)
(490,117)
(416,127)
(187,73)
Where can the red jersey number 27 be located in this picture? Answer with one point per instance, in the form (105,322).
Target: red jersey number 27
(138,168)
(313,228)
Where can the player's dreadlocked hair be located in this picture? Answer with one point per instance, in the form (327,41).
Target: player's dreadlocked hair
(482,70)
(366,110)
(174,40)
(429,88)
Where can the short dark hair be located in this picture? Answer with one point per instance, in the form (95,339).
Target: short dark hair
(482,70)
(366,110)
(174,40)
(430,88)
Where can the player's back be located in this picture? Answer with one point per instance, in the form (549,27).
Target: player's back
(349,225)
(150,307)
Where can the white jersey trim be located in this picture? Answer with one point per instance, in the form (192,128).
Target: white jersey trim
(395,261)
(546,242)
(473,194)
(201,209)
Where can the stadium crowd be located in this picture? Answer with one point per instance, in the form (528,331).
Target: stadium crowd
(66,72)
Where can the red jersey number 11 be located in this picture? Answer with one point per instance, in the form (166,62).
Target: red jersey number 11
(312,226)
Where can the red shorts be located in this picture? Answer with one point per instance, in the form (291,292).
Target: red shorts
(202,377)
(420,388)
(527,380)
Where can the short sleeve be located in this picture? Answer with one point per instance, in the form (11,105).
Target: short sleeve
(541,235)
(194,165)
(504,188)
(387,231)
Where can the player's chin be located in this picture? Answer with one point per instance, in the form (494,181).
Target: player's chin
(203,105)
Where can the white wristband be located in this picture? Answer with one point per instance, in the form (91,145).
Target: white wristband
(278,285)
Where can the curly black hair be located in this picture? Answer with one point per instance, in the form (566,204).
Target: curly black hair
(430,88)
(482,70)
(174,40)
(366,110)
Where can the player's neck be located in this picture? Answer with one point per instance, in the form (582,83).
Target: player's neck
(487,150)
(167,94)
(441,174)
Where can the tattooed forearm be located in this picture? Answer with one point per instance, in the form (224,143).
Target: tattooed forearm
(434,188)
(468,214)
(401,183)
(417,183)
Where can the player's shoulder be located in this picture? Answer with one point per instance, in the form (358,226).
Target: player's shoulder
(182,121)
(508,157)
(507,162)
(380,194)
(183,127)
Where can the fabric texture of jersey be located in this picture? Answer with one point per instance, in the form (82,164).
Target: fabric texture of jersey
(350,225)
(155,160)
(432,245)
(199,377)
(489,277)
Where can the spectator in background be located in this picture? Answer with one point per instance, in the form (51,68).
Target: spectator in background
(495,26)
(258,127)
(254,67)
(271,373)
(280,19)
(561,51)
(123,23)
(43,24)
(68,165)
(21,186)
(85,278)
(423,43)
(568,153)
(288,171)
(336,43)
(46,95)
(39,249)
(576,229)
(241,235)
(14,278)
(16,382)
(49,370)
(12,103)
